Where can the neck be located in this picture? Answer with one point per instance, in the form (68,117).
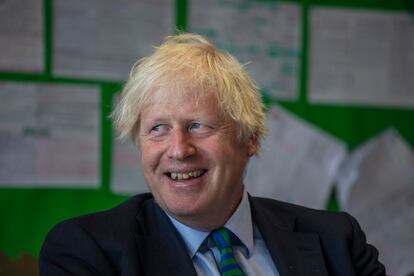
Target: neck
(210,220)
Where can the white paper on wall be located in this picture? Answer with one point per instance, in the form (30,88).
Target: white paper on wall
(21,36)
(361,57)
(298,162)
(376,185)
(49,135)
(102,39)
(264,34)
(127,177)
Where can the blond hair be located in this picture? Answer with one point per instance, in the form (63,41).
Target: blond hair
(189,62)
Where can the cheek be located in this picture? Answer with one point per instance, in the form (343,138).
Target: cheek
(149,156)
(231,153)
(228,158)
(215,152)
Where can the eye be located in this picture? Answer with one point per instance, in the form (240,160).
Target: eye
(199,128)
(196,126)
(158,130)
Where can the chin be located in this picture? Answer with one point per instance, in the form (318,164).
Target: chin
(184,210)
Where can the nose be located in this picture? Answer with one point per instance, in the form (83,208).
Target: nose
(180,146)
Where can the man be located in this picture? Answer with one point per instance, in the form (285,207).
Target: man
(196,118)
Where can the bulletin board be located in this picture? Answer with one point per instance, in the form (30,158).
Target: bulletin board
(28,213)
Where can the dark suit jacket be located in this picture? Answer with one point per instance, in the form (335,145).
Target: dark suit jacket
(137,238)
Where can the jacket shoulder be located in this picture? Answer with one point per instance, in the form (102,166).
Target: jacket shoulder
(95,244)
(307,219)
(116,218)
(341,237)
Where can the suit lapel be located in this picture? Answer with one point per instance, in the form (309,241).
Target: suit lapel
(161,249)
(294,253)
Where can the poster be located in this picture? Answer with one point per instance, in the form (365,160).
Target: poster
(361,57)
(126,174)
(298,162)
(376,185)
(21,36)
(102,39)
(49,135)
(263,35)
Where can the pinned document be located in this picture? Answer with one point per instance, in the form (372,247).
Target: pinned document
(376,185)
(298,162)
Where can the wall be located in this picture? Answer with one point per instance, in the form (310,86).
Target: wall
(27,214)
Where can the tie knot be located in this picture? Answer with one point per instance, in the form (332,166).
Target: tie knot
(222,238)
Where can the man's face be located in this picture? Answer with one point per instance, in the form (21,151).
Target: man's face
(191,158)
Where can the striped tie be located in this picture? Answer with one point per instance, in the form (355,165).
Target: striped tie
(228,263)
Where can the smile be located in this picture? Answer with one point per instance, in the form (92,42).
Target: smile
(186,175)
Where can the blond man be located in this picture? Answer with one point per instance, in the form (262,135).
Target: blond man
(197,118)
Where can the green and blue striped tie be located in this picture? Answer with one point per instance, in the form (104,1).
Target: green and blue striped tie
(228,263)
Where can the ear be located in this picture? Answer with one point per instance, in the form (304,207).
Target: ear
(252,146)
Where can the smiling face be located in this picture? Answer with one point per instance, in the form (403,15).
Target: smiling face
(191,158)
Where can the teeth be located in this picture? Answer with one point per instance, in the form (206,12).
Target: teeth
(188,175)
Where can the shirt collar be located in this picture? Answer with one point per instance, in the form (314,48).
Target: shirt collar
(240,223)
(193,238)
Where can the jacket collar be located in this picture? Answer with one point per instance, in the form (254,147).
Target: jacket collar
(163,252)
(160,247)
(294,253)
